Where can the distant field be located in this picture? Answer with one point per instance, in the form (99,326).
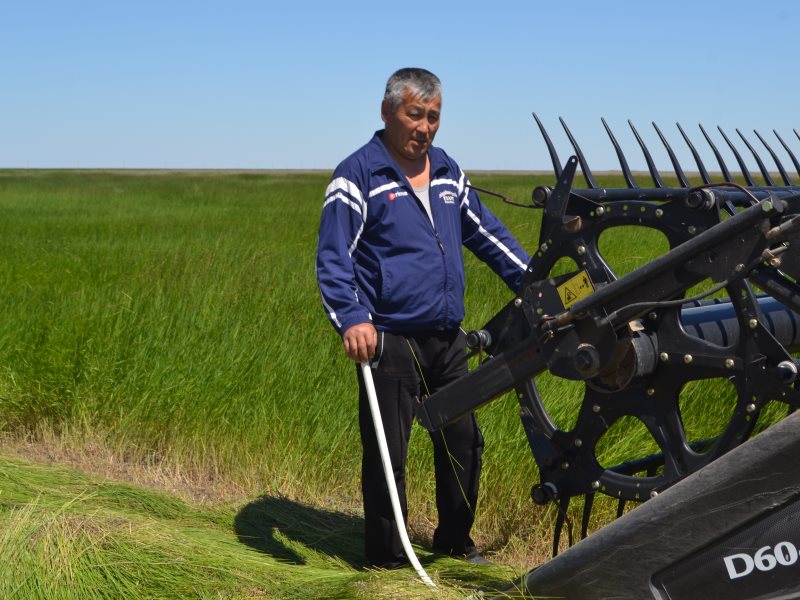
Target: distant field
(172,320)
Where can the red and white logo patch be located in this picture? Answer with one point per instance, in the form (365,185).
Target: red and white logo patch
(397,194)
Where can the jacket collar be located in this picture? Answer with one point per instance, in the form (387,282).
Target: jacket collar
(379,157)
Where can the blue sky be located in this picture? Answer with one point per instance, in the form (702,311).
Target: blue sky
(265,85)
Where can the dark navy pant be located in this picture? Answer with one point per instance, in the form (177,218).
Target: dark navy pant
(441,358)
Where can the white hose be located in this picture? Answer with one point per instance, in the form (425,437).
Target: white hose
(389,472)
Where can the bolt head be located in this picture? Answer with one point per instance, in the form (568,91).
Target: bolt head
(787,370)
(565,465)
(653,494)
(651,391)
(752,323)
(578,442)
(663,357)
(595,485)
(586,360)
(729,363)
(581,250)
(751,408)
(540,195)
(688,358)
(659,213)
(517,302)
(600,211)
(596,408)
(692,229)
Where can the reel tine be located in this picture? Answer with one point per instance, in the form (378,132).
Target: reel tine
(745,172)
(797,134)
(588,500)
(675,164)
(764,173)
(784,174)
(700,166)
(725,172)
(561,520)
(587,174)
(559,526)
(550,148)
(651,166)
(620,508)
(623,163)
(789,151)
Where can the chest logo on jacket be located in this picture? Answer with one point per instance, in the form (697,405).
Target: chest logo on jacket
(393,195)
(448,197)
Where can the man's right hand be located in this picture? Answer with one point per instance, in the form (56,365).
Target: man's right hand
(360,342)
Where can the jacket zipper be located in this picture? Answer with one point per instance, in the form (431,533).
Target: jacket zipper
(444,283)
(441,248)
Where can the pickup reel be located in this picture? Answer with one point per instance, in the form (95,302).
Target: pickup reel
(637,341)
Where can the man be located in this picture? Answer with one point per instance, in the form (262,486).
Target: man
(391,274)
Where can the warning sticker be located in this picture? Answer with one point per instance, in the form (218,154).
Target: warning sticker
(575,289)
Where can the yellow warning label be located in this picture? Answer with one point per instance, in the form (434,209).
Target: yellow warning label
(575,289)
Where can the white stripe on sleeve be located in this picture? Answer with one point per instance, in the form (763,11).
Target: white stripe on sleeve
(513,257)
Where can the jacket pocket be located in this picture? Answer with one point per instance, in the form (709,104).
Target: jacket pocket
(385,277)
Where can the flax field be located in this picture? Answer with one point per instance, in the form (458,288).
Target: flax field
(178,419)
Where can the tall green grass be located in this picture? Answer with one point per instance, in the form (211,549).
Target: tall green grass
(176,317)
(178,311)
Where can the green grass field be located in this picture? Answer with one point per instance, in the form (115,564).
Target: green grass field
(171,322)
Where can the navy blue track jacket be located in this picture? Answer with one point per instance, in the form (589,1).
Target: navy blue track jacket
(379,258)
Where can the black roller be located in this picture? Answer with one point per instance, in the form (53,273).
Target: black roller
(715,322)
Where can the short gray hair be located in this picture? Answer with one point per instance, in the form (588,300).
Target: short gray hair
(419,82)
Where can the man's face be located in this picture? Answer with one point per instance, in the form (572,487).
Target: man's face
(411,127)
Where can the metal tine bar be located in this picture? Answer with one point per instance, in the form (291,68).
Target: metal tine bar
(651,166)
(797,134)
(781,170)
(725,172)
(623,163)
(745,172)
(587,174)
(675,164)
(700,166)
(789,151)
(764,173)
(550,148)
